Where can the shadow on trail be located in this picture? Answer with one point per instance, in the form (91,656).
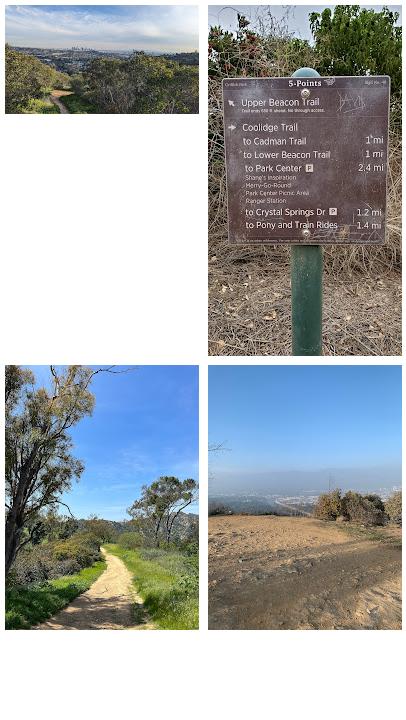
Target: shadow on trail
(111,603)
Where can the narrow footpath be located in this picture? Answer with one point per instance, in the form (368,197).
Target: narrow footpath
(55,98)
(110,604)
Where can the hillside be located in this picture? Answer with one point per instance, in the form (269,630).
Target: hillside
(300,573)
(184,526)
(101,84)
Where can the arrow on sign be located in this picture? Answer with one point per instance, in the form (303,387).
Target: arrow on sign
(232,127)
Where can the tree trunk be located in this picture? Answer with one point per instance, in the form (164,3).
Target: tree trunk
(157,527)
(12,541)
(174,518)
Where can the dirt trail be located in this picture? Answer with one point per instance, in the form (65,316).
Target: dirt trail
(300,573)
(55,99)
(111,603)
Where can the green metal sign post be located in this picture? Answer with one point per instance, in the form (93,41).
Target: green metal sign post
(307,286)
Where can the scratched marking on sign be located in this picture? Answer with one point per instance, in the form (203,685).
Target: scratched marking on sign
(350,103)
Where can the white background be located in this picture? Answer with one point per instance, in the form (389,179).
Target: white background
(104,261)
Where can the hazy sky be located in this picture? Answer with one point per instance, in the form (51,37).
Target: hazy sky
(297,18)
(306,418)
(144,425)
(104,27)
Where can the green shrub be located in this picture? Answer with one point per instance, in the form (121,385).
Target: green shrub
(352,40)
(168,582)
(38,563)
(52,559)
(365,509)
(130,540)
(328,506)
(78,105)
(376,501)
(140,84)
(189,547)
(84,548)
(393,508)
(27,78)
(219,509)
(102,530)
(28,606)
(37,106)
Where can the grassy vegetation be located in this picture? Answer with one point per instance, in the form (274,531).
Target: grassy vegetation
(387,534)
(42,107)
(32,604)
(168,584)
(76,104)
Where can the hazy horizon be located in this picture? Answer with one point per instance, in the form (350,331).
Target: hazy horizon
(123,50)
(114,28)
(291,428)
(278,482)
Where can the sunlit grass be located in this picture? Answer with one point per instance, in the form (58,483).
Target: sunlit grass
(77,105)
(29,605)
(36,106)
(167,581)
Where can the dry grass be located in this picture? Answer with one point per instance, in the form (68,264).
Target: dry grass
(249,287)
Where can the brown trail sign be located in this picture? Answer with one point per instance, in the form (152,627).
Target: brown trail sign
(306,159)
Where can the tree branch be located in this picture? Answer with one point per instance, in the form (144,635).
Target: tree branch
(31,535)
(59,502)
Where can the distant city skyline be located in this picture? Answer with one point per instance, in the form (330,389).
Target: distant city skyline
(290,427)
(152,28)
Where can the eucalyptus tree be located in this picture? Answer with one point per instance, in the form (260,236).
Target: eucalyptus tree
(39,464)
(161,503)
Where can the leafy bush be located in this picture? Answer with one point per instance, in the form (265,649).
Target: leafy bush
(130,540)
(217,509)
(83,548)
(365,509)
(140,84)
(167,581)
(393,508)
(38,564)
(50,560)
(27,606)
(354,41)
(189,547)
(36,106)
(78,105)
(101,529)
(328,506)
(27,78)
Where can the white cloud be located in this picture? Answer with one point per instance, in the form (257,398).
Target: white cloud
(140,27)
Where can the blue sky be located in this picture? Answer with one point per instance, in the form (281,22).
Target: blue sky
(306,419)
(297,19)
(144,425)
(167,28)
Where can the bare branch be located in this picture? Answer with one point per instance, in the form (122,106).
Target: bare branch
(59,502)
(218,447)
